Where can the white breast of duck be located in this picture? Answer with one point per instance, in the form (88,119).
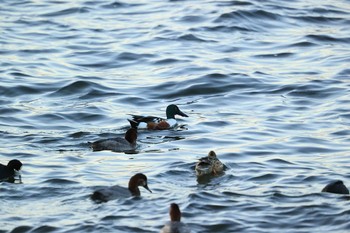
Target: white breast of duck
(172,122)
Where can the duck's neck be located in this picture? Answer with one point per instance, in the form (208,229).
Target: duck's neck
(175,215)
(135,191)
(133,187)
(11,171)
(170,115)
(131,136)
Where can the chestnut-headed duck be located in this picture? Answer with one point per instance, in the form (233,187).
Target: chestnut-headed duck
(175,225)
(128,143)
(113,192)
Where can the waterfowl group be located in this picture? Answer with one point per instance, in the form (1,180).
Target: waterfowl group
(209,165)
(128,143)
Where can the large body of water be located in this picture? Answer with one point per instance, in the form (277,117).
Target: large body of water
(265,84)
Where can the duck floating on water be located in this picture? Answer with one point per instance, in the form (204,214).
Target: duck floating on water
(209,165)
(128,143)
(113,192)
(336,187)
(8,172)
(157,123)
(175,225)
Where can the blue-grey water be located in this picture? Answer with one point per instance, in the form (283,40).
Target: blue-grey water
(265,84)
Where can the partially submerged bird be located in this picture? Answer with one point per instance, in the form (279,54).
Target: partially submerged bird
(157,123)
(175,225)
(336,187)
(113,192)
(209,165)
(8,172)
(128,143)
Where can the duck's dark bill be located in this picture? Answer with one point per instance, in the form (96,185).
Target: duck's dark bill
(182,114)
(146,187)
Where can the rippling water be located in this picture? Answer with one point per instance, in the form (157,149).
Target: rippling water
(265,85)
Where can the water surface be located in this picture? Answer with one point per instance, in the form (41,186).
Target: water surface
(265,85)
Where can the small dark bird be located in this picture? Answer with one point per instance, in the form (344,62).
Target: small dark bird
(8,172)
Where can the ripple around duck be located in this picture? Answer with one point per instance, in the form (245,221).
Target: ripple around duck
(192,19)
(316,91)
(168,61)
(234,3)
(225,28)
(30,52)
(276,55)
(345,72)
(303,44)
(255,20)
(113,5)
(250,15)
(321,19)
(191,37)
(77,88)
(65,12)
(19,74)
(21,90)
(110,62)
(57,181)
(128,56)
(328,39)
(211,84)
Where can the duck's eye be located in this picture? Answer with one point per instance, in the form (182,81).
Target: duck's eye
(142,183)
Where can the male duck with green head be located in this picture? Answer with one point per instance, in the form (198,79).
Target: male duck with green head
(151,122)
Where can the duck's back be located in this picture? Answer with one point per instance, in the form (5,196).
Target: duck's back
(113,144)
(175,227)
(204,166)
(110,193)
(5,172)
(218,166)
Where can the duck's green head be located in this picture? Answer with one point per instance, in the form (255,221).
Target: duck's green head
(173,110)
